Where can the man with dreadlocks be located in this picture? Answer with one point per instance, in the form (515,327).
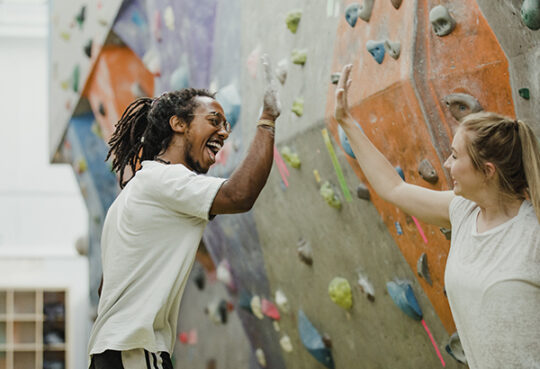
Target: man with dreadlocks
(152,230)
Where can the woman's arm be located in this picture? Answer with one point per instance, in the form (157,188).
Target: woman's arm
(428,205)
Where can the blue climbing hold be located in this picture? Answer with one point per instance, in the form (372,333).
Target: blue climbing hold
(402,294)
(230,100)
(398,228)
(244,300)
(313,341)
(345,141)
(376,49)
(138,19)
(400,172)
(351,14)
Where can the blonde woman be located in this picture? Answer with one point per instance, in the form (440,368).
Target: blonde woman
(492,275)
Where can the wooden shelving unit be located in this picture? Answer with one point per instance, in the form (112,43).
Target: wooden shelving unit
(33,329)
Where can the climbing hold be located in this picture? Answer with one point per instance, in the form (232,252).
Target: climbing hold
(244,300)
(524,93)
(305,252)
(327,340)
(269,309)
(156,26)
(137,90)
(400,172)
(65,35)
(230,101)
(138,19)
(393,48)
(345,141)
(442,22)
(180,78)
(223,274)
(152,61)
(366,286)
(292,20)
(200,277)
(530,14)
(339,290)
(317,176)
(210,364)
(276,325)
(217,311)
(291,157)
(75,78)
(299,56)
(281,301)
(402,294)
(81,16)
(335,78)
(376,49)
(298,106)
(455,349)
(101,109)
(396,3)
(281,70)
(461,105)
(256,307)
(365,10)
(88,48)
(168,17)
(96,129)
(422,268)
(399,230)
(313,342)
(330,196)
(362,192)
(259,353)
(285,343)
(427,172)
(81,166)
(351,14)
(183,337)
(447,233)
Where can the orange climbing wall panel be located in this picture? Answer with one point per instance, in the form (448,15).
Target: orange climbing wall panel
(110,84)
(399,105)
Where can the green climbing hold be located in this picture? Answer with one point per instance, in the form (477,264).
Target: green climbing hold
(330,196)
(82,166)
(65,35)
(530,14)
(299,56)
(340,292)
(524,93)
(291,157)
(292,20)
(81,16)
(75,78)
(298,106)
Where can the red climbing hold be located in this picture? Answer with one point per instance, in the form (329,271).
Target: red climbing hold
(269,309)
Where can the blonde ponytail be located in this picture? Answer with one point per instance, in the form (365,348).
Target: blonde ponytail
(531,164)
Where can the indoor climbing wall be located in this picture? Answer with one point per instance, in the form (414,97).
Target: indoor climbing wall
(322,272)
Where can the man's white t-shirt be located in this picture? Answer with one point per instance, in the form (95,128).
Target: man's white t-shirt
(493,286)
(150,237)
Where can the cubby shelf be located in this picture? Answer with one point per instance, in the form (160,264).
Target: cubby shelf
(33,329)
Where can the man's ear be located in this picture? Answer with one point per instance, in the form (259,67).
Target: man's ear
(177,125)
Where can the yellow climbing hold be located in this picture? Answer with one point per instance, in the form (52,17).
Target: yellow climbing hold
(291,157)
(340,292)
(330,196)
(298,106)
(292,20)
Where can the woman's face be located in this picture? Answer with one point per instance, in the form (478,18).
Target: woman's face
(467,181)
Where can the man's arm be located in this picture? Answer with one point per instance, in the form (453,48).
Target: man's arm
(239,192)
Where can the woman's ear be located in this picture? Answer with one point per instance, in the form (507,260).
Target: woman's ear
(177,125)
(489,170)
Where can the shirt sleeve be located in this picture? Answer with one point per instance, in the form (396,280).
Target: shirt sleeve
(187,192)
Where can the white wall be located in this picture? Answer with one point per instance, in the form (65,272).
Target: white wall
(40,203)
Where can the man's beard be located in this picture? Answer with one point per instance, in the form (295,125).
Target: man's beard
(195,166)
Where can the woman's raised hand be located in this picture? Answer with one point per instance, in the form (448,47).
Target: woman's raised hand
(271,103)
(342,105)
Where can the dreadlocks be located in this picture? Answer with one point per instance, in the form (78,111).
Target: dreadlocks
(144,132)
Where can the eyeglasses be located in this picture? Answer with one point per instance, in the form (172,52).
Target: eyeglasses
(217,120)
